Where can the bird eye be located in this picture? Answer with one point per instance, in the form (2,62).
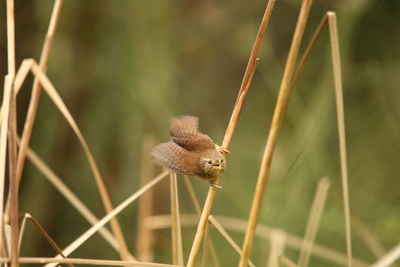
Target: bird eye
(222,160)
(209,162)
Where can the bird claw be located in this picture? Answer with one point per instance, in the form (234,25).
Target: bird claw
(222,150)
(216,186)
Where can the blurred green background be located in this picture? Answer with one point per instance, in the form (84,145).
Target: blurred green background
(124,68)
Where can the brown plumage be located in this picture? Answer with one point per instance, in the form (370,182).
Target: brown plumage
(190,152)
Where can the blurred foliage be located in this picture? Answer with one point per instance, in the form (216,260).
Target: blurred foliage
(124,68)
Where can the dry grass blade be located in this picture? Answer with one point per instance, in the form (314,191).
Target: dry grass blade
(286,261)
(263,232)
(80,261)
(277,242)
(250,69)
(144,236)
(206,244)
(177,250)
(313,221)
(10,37)
(227,237)
(3,146)
(280,108)
(35,95)
(213,221)
(71,197)
(52,92)
(337,75)
(13,213)
(308,50)
(43,232)
(91,231)
(196,204)
(392,256)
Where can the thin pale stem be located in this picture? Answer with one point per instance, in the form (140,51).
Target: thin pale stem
(35,95)
(10,37)
(52,243)
(309,48)
(313,221)
(337,77)
(52,92)
(247,78)
(80,261)
(145,239)
(3,147)
(280,109)
(263,232)
(92,230)
(392,256)
(71,197)
(177,250)
(277,242)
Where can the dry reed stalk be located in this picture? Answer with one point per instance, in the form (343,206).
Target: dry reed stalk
(177,250)
(206,244)
(288,262)
(10,37)
(280,109)
(43,232)
(264,232)
(370,240)
(213,221)
(80,261)
(277,242)
(337,75)
(12,130)
(71,197)
(92,230)
(52,92)
(313,221)
(244,87)
(145,238)
(308,49)
(196,204)
(36,90)
(3,147)
(13,213)
(392,256)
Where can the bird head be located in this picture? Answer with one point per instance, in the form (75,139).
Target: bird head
(212,162)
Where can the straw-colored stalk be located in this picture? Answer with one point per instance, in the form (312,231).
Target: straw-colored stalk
(337,77)
(3,147)
(244,87)
(92,230)
(177,250)
(144,236)
(30,64)
(277,242)
(80,261)
(263,232)
(313,221)
(392,256)
(280,109)
(286,261)
(42,231)
(213,221)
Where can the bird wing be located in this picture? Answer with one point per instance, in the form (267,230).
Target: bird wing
(174,158)
(185,132)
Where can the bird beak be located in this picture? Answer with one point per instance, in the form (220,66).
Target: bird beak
(216,165)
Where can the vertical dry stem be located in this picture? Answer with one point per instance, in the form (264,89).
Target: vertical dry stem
(313,222)
(251,65)
(144,239)
(277,242)
(13,183)
(3,147)
(36,90)
(177,250)
(280,108)
(337,75)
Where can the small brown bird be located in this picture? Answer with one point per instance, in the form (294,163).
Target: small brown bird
(190,152)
